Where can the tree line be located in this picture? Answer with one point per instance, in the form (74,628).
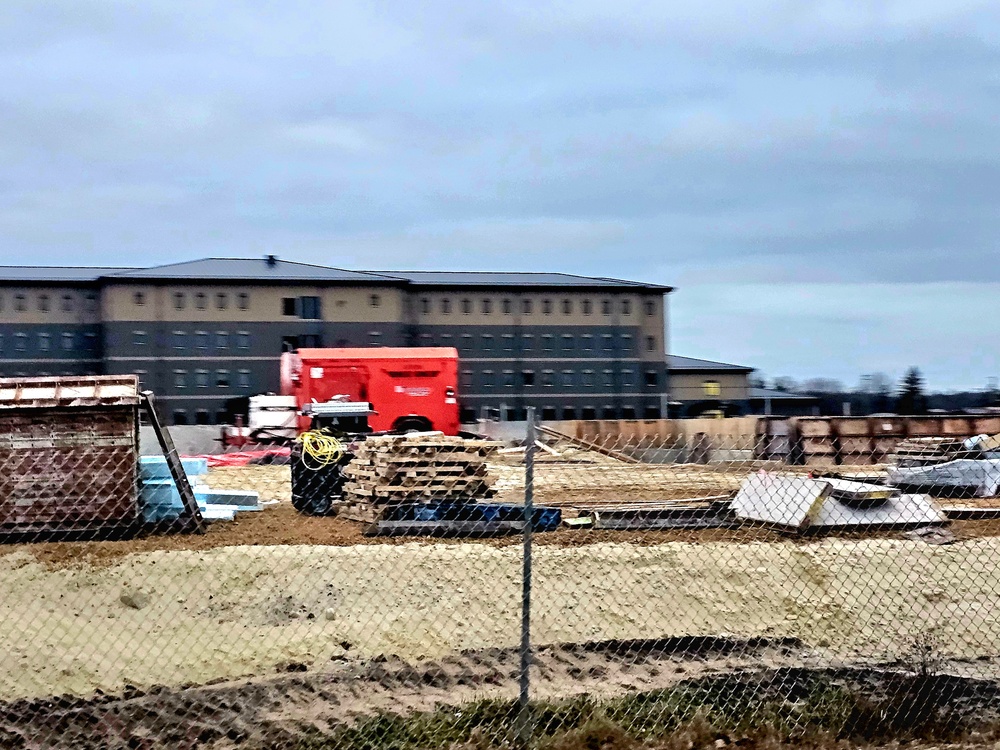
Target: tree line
(876,393)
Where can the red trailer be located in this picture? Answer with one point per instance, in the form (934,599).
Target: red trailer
(410,389)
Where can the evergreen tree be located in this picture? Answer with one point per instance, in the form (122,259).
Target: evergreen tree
(911,399)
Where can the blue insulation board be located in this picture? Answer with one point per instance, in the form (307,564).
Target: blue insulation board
(155,467)
(160,500)
(543,518)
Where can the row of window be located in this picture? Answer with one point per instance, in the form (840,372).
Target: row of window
(564,378)
(45,302)
(552,413)
(47,342)
(221,340)
(200,300)
(506,307)
(211,378)
(547,342)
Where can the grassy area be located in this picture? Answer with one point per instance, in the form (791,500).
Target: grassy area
(785,708)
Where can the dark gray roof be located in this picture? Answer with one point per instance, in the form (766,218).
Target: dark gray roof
(259,270)
(760,394)
(250,269)
(55,273)
(507,278)
(675,362)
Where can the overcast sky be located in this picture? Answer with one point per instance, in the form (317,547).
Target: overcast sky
(819,180)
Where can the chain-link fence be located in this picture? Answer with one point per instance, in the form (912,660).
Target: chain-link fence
(386,592)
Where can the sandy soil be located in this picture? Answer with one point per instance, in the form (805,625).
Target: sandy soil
(229,611)
(279,710)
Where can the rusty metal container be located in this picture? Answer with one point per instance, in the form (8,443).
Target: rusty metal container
(69,449)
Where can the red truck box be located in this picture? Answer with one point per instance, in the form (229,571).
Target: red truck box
(410,388)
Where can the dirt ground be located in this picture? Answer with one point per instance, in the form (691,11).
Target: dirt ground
(226,611)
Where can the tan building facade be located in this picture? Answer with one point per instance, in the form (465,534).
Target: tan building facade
(206,335)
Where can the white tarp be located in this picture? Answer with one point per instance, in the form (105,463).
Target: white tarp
(982,476)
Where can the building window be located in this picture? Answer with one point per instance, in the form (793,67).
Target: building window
(528,378)
(67,303)
(609,412)
(526,306)
(567,342)
(222,300)
(567,378)
(288,306)
(138,338)
(465,343)
(652,378)
(627,380)
(180,417)
(466,381)
(487,378)
(222,378)
(547,342)
(43,302)
(567,307)
(508,342)
(1,343)
(202,417)
(201,300)
(44,342)
(309,308)
(548,378)
(651,343)
(587,342)
(605,307)
(587,378)
(20,303)
(375,300)
(90,342)
(201,378)
(569,413)
(547,306)
(607,342)
(650,307)
(243,379)
(221,340)
(487,306)
(139,298)
(180,339)
(609,379)
(626,307)
(67,342)
(91,298)
(243,339)
(628,412)
(142,375)
(487,342)
(180,379)
(201,339)
(179,301)
(626,343)
(588,413)
(712,388)
(508,378)
(425,306)
(466,306)
(527,342)
(446,306)
(508,307)
(587,306)
(243,301)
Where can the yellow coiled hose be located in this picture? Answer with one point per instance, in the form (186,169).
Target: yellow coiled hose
(320,449)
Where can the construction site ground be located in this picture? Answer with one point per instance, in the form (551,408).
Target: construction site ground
(275,592)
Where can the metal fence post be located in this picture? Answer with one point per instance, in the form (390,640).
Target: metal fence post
(524,723)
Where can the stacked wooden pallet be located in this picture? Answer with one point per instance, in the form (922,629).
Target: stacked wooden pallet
(926,451)
(415,468)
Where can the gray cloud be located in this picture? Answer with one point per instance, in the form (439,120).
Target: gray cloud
(826,147)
